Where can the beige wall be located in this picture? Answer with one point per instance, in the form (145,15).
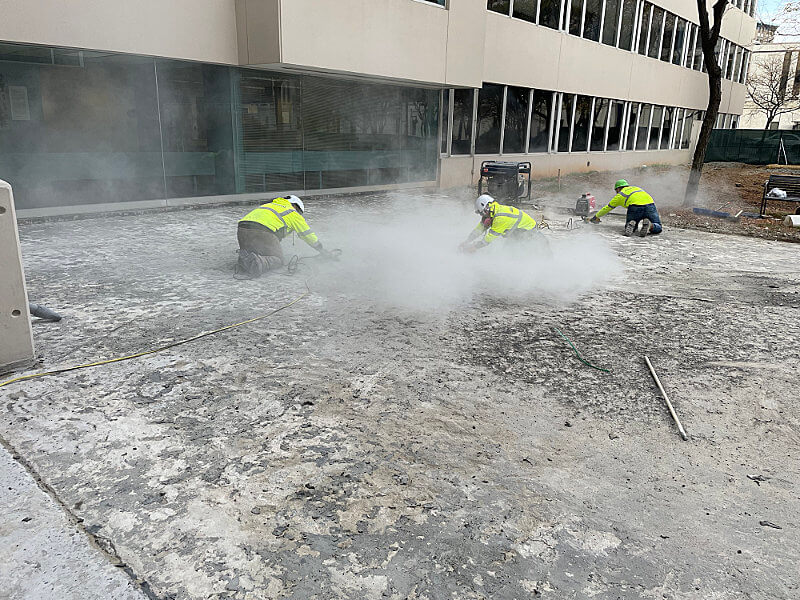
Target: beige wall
(203,30)
(16,340)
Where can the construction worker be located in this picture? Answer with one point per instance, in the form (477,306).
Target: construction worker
(497,220)
(261,230)
(641,209)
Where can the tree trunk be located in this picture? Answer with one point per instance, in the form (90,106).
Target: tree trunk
(714,99)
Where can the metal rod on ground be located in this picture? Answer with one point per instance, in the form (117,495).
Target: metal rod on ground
(666,399)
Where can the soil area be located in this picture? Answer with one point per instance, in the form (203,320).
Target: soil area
(415,426)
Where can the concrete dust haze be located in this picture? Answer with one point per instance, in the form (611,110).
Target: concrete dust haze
(406,255)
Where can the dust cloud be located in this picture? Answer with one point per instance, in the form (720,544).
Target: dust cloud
(407,256)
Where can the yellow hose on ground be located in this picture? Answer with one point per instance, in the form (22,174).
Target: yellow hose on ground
(159,349)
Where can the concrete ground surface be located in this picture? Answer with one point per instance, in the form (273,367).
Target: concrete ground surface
(414,427)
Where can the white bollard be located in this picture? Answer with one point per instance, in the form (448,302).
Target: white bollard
(792,220)
(16,337)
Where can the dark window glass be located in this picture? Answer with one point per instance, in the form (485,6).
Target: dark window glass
(698,51)
(549,13)
(655,127)
(643,128)
(575,17)
(784,80)
(601,106)
(564,120)
(631,134)
(666,130)
(680,38)
(439,2)
(463,101)
(732,49)
(656,26)
(580,131)
(610,22)
(669,33)
(445,121)
(499,6)
(541,112)
(644,27)
(525,9)
(626,29)
(686,136)
(690,33)
(490,113)
(516,120)
(616,116)
(592,18)
(745,64)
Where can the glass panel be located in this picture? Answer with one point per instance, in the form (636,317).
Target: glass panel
(669,32)
(687,130)
(732,48)
(463,101)
(691,31)
(666,130)
(525,9)
(644,27)
(575,17)
(680,35)
(591,20)
(540,120)
(644,127)
(655,127)
(610,22)
(549,13)
(601,106)
(445,121)
(656,25)
(580,131)
(197,128)
(79,135)
(564,120)
(490,112)
(500,6)
(631,135)
(745,64)
(439,2)
(626,30)
(616,118)
(698,50)
(516,120)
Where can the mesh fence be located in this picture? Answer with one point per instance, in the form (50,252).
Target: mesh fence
(754,146)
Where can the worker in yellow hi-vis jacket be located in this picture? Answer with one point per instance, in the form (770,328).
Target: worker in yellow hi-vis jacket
(497,220)
(261,230)
(641,209)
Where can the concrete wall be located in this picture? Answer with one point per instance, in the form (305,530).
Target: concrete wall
(16,338)
(203,30)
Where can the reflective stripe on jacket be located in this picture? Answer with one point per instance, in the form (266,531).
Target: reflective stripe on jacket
(505,219)
(280,216)
(627,196)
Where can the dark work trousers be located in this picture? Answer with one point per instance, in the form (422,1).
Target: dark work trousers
(259,239)
(637,212)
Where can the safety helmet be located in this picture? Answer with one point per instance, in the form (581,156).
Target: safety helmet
(482,202)
(620,183)
(297,203)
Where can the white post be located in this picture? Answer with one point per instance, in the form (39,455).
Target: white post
(16,337)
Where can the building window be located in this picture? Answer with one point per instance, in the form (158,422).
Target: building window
(499,6)
(745,65)
(591,20)
(633,119)
(656,31)
(690,42)
(731,63)
(686,135)
(516,123)
(610,22)
(644,27)
(655,127)
(439,2)
(616,118)
(575,17)
(597,143)
(490,114)
(541,115)
(669,34)
(627,23)
(565,121)
(445,122)
(463,101)
(666,130)
(525,10)
(643,128)
(680,37)
(550,13)
(697,64)
(580,130)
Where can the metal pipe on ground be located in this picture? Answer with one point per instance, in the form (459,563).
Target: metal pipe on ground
(666,399)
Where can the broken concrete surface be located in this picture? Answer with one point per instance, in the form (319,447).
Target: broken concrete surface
(346,449)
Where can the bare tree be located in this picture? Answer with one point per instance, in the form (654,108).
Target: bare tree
(767,86)
(709,36)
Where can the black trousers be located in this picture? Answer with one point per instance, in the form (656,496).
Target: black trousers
(261,240)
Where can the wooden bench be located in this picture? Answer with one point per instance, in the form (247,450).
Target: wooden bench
(788,183)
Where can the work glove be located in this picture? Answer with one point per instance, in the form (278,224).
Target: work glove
(594,219)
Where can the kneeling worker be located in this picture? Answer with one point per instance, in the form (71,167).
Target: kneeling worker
(641,208)
(497,220)
(261,230)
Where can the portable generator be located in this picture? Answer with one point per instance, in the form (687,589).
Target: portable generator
(584,205)
(505,180)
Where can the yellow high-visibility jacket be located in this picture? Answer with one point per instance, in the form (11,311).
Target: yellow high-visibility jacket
(627,196)
(280,216)
(505,219)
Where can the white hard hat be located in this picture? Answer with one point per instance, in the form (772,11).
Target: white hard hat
(482,202)
(297,202)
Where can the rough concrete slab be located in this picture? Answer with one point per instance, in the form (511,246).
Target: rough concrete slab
(350,447)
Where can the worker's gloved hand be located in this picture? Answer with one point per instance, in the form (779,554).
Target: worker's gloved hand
(594,219)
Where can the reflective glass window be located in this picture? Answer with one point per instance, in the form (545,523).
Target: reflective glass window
(643,129)
(516,128)
(580,130)
(731,63)
(669,34)
(626,27)
(525,10)
(610,22)
(601,106)
(630,137)
(499,6)
(616,116)
(564,122)
(549,13)
(463,101)
(656,29)
(541,113)
(666,129)
(644,27)
(655,127)
(677,47)
(592,18)
(698,51)
(445,121)
(575,17)
(490,113)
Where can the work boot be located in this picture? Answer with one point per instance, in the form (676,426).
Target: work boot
(645,228)
(630,227)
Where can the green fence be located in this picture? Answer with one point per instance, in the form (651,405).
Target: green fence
(754,146)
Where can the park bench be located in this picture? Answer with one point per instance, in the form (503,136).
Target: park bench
(788,183)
